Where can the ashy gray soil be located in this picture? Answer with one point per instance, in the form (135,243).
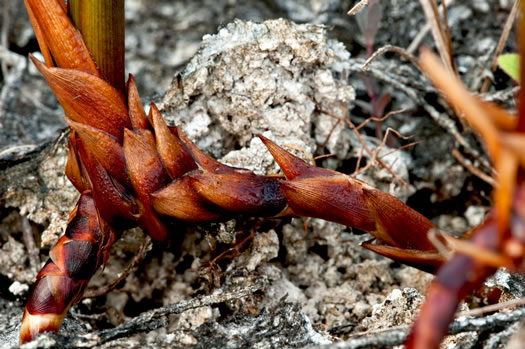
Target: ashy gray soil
(226,71)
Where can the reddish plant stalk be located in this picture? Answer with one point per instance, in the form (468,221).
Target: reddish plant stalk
(501,233)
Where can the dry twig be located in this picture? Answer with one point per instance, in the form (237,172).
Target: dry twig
(424,30)
(357,7)
(381,119)
(157,318)
(396,335)
(334,126)
(346,119)
(501,44)
(139,257)
(310,158)
(472,169)
(441,119)
(441,36)
(492,308)
(375,155)
(390,48)
(505,96)
(29,241)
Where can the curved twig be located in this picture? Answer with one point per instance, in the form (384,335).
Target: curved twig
(501,43)
(144,248)
(475,171)
(396,335)
(391,48)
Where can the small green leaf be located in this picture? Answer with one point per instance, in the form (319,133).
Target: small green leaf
(510,63)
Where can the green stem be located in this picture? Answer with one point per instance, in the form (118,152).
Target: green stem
(102,24)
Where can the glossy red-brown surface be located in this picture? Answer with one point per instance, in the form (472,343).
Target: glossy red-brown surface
(73,261)
(454,281)
(88,99)
(180,200)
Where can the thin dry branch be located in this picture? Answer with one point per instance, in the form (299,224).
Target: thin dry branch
(29,242)
(397,335)
(391,48)
(485,256)
(310,158)
(156,318)
(358,163)
(411,144)
(381,119)
(334,126)
(424,30)
(447,34)
(501,96)
(324,156)
(346,119)
(375,155)
(492,308)
(139,257)
(357,7)
(235,249)
(501,44)
(442,119)
(435,236)
(472,169)
(439,34)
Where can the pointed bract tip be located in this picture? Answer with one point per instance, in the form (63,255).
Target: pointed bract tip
(205,162)
(154,108)
(139,119)
(172,151)
(38,64)
(291,165)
